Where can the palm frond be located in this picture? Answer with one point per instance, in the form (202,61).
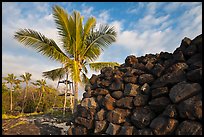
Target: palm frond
(42,44)
(61,18)
(26,76)
(101,38)
(85,79)
(89,25)
(84,69)
(97,66)
(55,74)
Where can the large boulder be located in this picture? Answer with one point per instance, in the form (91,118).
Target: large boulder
(184,90)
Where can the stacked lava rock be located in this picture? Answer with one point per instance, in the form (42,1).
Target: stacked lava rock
(150,95)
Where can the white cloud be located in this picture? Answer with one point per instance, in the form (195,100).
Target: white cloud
(174,6)
(86,11)
(19,65)
(135,9)
(150,22)
(152,32)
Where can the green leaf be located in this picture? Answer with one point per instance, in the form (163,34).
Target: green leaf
(55,74)
(97,66)
(39,42)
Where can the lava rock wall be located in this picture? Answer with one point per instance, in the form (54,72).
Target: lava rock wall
(157,94)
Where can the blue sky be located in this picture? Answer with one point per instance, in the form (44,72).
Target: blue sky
(142,28)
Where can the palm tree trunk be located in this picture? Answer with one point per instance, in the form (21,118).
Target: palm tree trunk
(75,96)
(11,104)
(25,94)
(38,102)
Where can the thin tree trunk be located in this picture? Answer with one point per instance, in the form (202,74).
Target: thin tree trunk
(38,102)
(11,104)
(75,96)
(65,95)
(24,98)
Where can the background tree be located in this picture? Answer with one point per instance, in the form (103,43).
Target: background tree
(41,84)
(82,45)
(11,79)
(4,87)
(26,78)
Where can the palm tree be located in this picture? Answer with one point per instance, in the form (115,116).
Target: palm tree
(82,45)
(26,78)
(17,86)
(4,87)
(11,79)
(42,84)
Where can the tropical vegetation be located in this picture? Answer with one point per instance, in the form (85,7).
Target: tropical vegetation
(81,45)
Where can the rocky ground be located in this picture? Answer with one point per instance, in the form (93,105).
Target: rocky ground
(35,125)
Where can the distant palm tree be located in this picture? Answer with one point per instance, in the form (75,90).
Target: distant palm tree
(82,45)
(11,79)
(17,86)
(26,78)
(41,84)
(4,87)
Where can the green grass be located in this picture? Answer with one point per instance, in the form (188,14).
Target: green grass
(19,123)
(6,116)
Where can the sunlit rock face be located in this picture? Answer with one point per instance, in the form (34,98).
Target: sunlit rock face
(149,95)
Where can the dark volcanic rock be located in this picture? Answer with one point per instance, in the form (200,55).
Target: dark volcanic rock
(132,79)
(158,92)
(117,85)
(144,131)
(157,70)
(142,117)
(191,108)
(100,115)
(105,83)
(169,78)
(155,94)
(79,130)
(85,112)
(131,60)
(176,67)
(183,90)
(126,102)
(107,73)
(109,102)
(101,91)
(179,56)
(170,111)
(100,126)
(131,89)
(117,94)
(116,117)
(145,89)
(89,103)
(149,65)
(87,94)
(100,100)
(112,129)
(159,104)
(93,79)
(189,128)
(193,59)
(195,75)
(140,100)
(85,122)
(146,78)
(126,130)
(163,125)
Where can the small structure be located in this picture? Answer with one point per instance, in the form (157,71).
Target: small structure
(69,92)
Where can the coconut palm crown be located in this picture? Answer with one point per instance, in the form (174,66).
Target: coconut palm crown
(82,44)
